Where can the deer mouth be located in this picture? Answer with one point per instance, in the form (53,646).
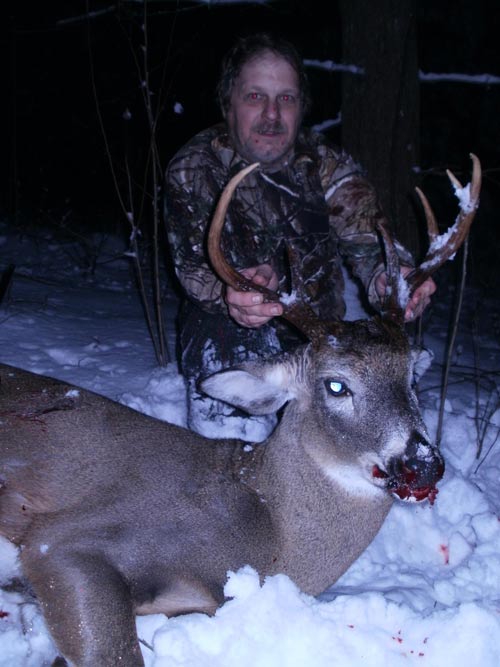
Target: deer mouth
(413,479)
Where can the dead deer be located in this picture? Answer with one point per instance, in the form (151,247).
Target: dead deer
(119,514)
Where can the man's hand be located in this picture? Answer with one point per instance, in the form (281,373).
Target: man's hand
(247,308)
(420,298)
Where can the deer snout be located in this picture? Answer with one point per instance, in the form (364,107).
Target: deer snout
(414,475)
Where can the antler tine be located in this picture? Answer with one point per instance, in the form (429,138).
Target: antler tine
(392,306)
(295,310)
(432,226)
(443,247)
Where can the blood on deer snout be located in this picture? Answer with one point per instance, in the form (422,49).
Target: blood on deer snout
(414,476)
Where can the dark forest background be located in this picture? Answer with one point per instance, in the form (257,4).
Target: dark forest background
(56,167)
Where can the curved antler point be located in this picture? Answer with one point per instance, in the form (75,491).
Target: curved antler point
(476,176)
(454,180)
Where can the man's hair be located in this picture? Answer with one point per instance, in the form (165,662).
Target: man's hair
(247,48)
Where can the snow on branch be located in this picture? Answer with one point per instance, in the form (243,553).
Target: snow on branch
(479,79)
(327,124)
(331,66)
(425,77)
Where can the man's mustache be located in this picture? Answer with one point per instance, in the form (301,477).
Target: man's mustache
(274,127)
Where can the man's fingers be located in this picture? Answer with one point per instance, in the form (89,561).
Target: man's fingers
(244,299)
(248,309)
(255,316)
(263,274)
(265,310)
(259,279)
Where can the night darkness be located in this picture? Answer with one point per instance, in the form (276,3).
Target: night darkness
(55,159)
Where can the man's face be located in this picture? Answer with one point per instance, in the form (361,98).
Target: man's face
(265,110)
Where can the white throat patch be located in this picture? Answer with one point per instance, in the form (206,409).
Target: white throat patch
(355,480)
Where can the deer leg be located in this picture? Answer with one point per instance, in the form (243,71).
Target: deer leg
(87,607)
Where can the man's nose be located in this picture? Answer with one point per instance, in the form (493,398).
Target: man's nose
(272,110)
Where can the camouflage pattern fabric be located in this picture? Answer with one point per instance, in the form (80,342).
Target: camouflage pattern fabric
(319,204)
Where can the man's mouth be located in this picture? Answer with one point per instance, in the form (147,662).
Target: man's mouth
(270,130)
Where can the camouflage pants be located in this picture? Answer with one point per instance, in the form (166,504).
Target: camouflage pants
(210,343)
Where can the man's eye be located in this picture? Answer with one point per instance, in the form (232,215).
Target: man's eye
(337,388)
(253,96)
(288,99)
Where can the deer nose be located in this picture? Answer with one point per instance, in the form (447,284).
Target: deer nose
(414,476)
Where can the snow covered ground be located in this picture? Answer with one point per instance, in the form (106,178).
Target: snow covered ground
(427,590)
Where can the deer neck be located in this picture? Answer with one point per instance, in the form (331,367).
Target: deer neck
(305,495)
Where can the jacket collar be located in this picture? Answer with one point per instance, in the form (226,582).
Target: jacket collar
(221,144)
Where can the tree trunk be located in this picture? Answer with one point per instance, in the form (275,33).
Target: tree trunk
(380,108)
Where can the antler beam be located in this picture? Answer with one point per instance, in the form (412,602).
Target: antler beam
(295,309)
(443,246)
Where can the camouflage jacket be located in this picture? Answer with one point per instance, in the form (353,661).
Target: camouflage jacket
(319,204)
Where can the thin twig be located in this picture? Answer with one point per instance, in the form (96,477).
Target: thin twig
(156,189)
(488,451)
(100,118)
(451,343)
(136,261)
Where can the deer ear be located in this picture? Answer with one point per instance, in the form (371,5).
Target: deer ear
(257,394)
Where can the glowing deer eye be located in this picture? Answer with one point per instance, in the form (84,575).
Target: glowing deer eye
(337,388)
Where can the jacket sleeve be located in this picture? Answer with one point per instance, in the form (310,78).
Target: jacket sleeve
(191,192)
(354,211)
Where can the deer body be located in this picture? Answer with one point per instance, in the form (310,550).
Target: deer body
(120,514)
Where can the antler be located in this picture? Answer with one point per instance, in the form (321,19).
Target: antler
(443,246)
(295,309)
(396,290)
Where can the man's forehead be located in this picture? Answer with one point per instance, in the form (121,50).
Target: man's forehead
(268,66)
